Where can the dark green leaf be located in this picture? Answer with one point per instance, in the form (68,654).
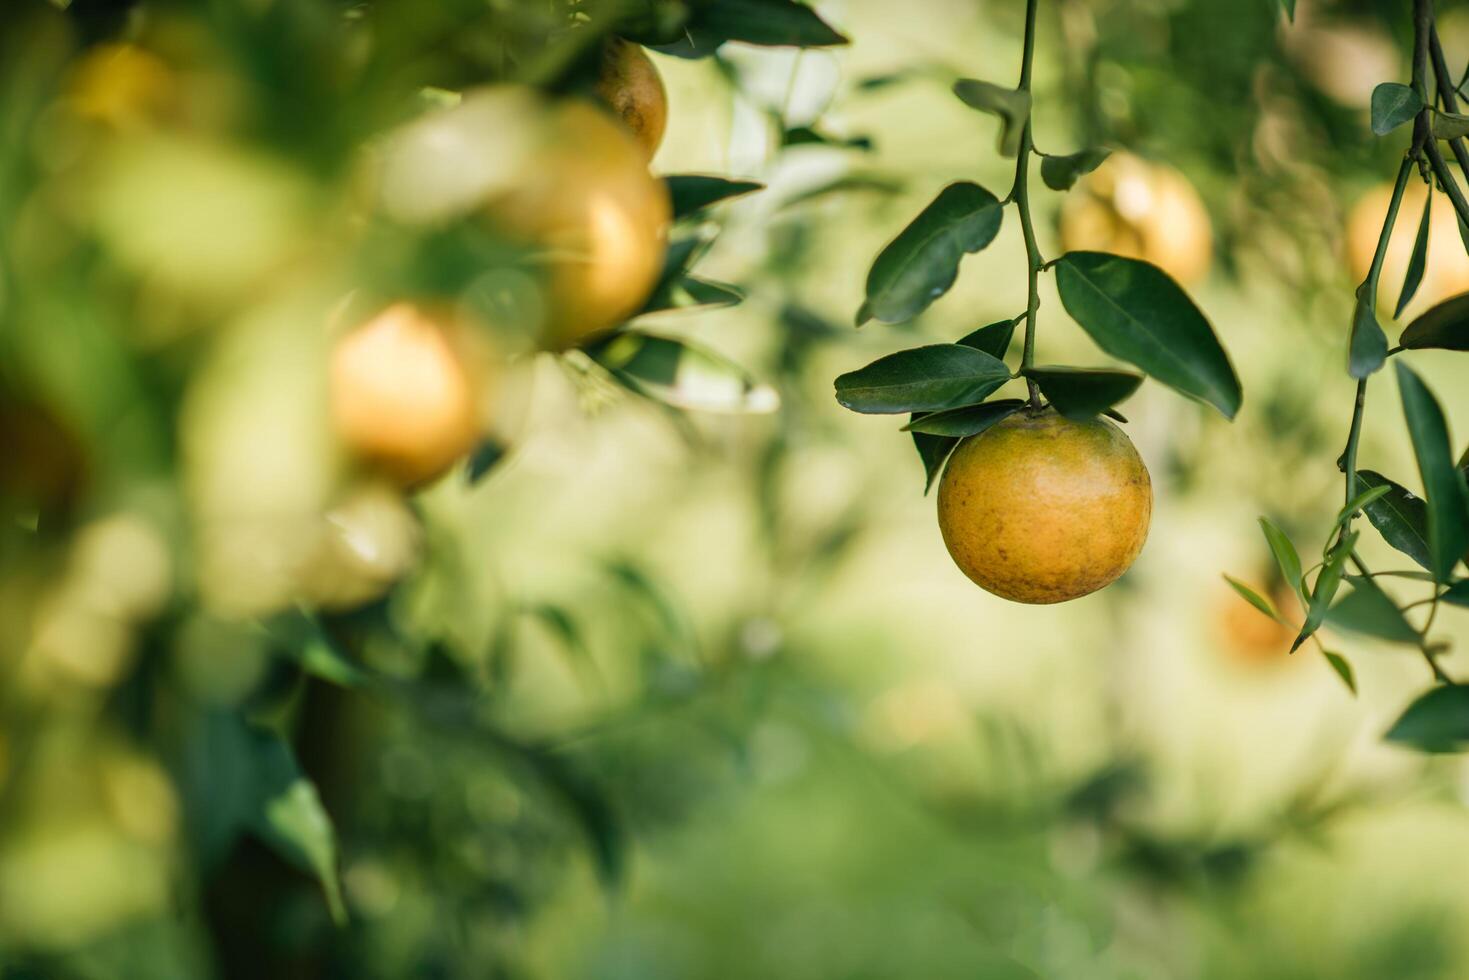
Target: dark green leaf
(1449,125)
(1285,553)
(806,136)
(923,379)
(1399,516)
(291,819)
(960,423)
(1359,502)
(1324,591)
(1343,670)
(1289,6)
(1253,598)
(1392,105)
(769,23)
(1083,393)
(1367,349)
(1419,260)
(1011,105)
(1457,594)
(994,339)
(301,638)
(1370,611)
(483,458)
(922,263)
(677,374)
(1443,483)
(934,451)
(692,193)
(1137,314)
(1060,173)
(1445,327)
(1436,722)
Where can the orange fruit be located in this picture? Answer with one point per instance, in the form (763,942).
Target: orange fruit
(630,84)
(1041,509)
(403,394)
(1248,633)
(1142,210)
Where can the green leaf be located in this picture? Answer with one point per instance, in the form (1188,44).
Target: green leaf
(1325,589)
(1253,598)
(1443,483)
(290,818)
(923,379)
(300,637)
(960,423)
(1289,6)
(1011,105)
(994,339)
(934,451)
(1399,516)
(922,263)
(484,458)
(1285,554)
(1370,611)
(1437,721)
(692,193)
(1359,502)
(1444,327)
(678,374)
(1137,314)
(1061,173)
(686,292)
(1457,594)
(1367,349)
(1083,393)
(1392,105)
(1449,125)
(807,136)
(1419,260)
(1343,670)
(768,23)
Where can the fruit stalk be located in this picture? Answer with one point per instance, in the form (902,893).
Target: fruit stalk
(1020,194)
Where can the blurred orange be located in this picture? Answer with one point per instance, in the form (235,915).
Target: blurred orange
(1446,272)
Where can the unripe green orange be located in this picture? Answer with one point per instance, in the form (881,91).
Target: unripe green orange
(1041,509)
(630,84)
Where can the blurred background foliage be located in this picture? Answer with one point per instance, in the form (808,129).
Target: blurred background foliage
(665,693)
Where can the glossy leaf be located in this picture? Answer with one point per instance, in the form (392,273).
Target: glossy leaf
(922,379)
(1370,611)
(1437,721)
(1253,598)
(921,264)
(1061,173)
(290,818)
(1083,393)
(1392,105)
(1419,259)
(1285,553)
(1445,327)
(678,374)
(1343,669)
(1443,483)
(1011,105)
(934,451)
(1367,347)
(1137,314)
(994,339)
(1399,516)
(692,193)
(960,423)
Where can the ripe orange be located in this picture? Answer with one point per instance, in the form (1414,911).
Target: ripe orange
(1249,634)
(600,217)
(1142,210)
(404,396)
(630,84)
(1042,509)
(1445,274)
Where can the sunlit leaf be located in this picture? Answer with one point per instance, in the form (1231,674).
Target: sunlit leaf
(923,379)
(1253,598)
(1443,483)
(1437,721)
(963,422)
(1083,393)
(1286,556)
(1392,105)
(1399,516)
(922,263)
(1137,314)
(1444,327)
(679,374)
(1060,173)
